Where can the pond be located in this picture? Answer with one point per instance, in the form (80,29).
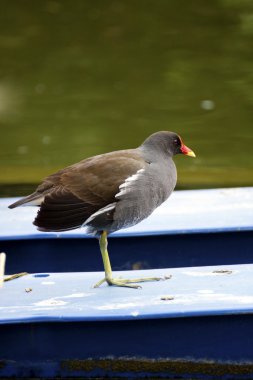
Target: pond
(83,78)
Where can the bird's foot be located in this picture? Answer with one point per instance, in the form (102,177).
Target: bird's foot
(125,282)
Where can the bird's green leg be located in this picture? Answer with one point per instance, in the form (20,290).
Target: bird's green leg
(14,276)
(108,270)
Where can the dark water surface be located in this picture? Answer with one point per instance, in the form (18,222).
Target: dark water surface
(78,78)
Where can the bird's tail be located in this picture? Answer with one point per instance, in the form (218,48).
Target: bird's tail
(34,199)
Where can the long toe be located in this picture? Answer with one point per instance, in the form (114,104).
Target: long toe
(127,283)
(145,279)
(97,285)
(122,282)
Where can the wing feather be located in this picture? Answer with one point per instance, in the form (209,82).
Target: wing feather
(73,195)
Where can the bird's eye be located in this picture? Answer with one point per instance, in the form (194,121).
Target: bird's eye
(176,142)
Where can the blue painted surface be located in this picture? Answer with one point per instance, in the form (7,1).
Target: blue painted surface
(189,211)
(68,296)
(202,227)
(63,319)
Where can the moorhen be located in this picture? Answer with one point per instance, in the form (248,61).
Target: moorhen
(108,192)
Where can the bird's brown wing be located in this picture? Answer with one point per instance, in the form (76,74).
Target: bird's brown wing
(97,179)
(73,194)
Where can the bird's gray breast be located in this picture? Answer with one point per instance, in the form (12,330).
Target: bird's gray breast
(140,194)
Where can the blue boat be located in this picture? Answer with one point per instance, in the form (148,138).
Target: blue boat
(180,232)
(195,324)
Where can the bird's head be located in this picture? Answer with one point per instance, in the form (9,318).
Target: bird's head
(169,142)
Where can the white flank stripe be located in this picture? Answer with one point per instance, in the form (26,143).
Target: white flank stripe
(107,208)
(124,186)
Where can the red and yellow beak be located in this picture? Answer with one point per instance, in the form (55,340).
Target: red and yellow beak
(187,151)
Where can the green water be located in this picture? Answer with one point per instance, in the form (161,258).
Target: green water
(83,77)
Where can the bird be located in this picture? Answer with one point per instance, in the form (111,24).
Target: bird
(108,192)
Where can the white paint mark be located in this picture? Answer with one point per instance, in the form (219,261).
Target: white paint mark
(211,299)
(202,274)
(116,306)
(50,302)
(227,298)
(57,301)
(78,295)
